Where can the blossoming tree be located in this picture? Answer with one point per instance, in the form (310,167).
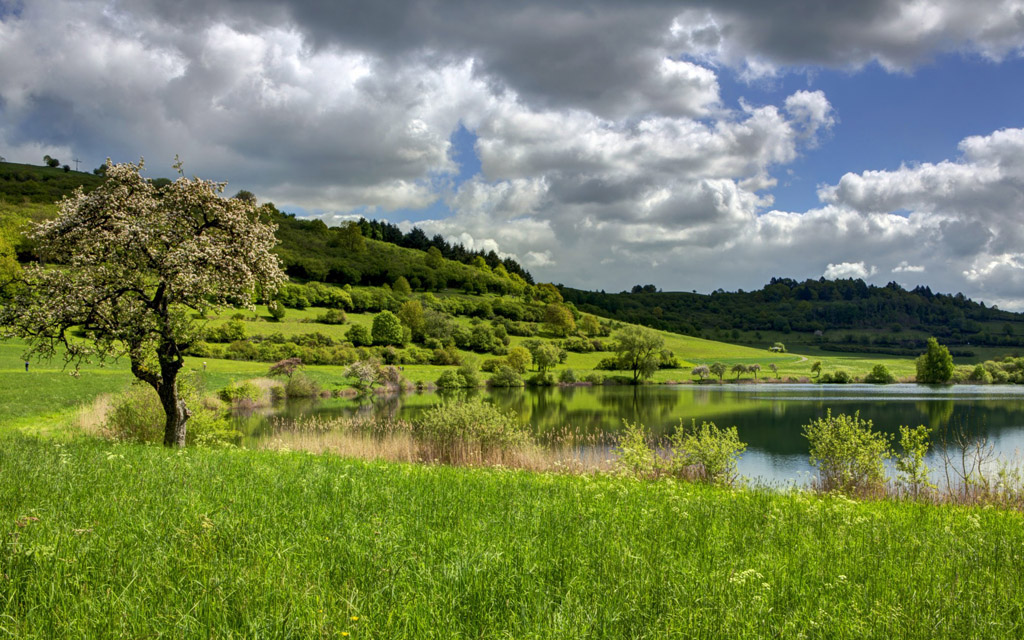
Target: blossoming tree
(132,262)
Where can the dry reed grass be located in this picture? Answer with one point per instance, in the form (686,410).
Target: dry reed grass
(394,441)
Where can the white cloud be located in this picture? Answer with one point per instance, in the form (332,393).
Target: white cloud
(848,270)
(906,267)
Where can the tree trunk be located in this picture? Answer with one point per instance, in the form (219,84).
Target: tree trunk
(177,415)
(174,407)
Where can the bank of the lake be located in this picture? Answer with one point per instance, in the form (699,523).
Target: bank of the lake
(584,422)
(118,540)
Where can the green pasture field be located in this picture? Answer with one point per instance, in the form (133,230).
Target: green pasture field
(120,540)
(48,396)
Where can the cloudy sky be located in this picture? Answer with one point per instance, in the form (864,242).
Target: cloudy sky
(693,145)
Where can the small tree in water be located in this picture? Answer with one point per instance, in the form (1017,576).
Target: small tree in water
(133,260)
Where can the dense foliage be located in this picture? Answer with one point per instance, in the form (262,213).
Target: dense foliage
(818,308)
(310,250)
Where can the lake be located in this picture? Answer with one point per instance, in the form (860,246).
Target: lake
(768,417)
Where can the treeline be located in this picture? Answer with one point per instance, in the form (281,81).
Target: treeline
(41,185)
(417,239)
(310,250)
(813,307)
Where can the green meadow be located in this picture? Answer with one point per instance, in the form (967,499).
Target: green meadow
(119,540)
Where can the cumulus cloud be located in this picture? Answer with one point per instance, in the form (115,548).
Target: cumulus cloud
(848,270)
(906,267)
(605,146)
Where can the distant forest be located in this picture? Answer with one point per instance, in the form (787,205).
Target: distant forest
(817,307)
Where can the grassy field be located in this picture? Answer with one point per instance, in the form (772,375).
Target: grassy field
(689,350)
(108,540)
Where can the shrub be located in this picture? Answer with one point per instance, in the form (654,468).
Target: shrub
(595,378)
(332,316)
(450,380)
(239,391)
(491,365)
(837,377)
(301,386)
(359,336)
(470,431)
(470,373)
(567,376)
(910,465)
(980,375)
(849,455)
(542,379)
(636,457)
(712,451)
(276,310)
(505,376)
(387,329)
(137,416)
(935,365)
(880,374)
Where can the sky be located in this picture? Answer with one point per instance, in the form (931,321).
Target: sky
(694,145)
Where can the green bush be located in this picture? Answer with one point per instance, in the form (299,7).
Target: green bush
(470,373)
(459,432)
(849,455)
(910,465)
(836,377)
(239,391)
(301,386)
(276,310)
(594,378)
(332,316)
(505,376)
(636,457)
(543,379)
(980,375)
(359,336)
(450,380)
(138,416)
(880,374)
(713,452)
(387,329)
(567,376)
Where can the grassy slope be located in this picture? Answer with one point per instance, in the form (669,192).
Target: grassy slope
(135,541)
(48,396)
(690,350)
(26,183)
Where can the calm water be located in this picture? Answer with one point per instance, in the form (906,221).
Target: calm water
(768,417)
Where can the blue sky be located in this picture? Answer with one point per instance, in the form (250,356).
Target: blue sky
(690,144)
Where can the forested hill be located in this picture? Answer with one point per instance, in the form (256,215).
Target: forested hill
(21,183)
(844,313)
(309,248)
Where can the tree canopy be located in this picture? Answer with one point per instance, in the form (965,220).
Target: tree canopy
(639,350)
(935,366)
(130,262)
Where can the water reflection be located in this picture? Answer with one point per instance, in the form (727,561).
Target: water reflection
(769,417)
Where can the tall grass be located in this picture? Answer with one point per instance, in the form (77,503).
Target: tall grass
(107,539)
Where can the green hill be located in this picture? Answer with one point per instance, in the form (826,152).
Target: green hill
(828,315)
(26,183)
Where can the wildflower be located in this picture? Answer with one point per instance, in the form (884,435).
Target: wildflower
(354,618)
(344,633)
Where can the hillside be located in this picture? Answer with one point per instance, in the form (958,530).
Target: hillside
(814,315)
(26,183)
(830,315)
